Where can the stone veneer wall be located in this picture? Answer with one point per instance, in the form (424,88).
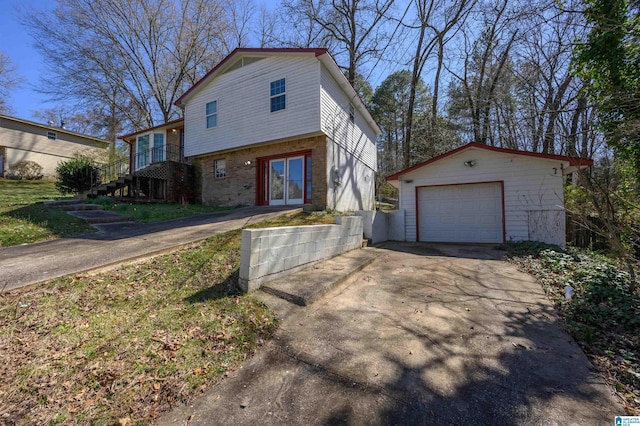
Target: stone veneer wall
(239,186)
(270,253)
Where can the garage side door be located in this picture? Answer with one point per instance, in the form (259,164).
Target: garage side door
(460,213)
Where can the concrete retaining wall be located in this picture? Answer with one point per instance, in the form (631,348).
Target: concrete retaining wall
(383,226)
(274,252)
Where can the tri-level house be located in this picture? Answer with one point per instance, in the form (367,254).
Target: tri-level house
(265,127)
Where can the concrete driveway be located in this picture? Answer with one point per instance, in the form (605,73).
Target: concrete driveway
(424,335)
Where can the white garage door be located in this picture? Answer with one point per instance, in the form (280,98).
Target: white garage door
(460,213)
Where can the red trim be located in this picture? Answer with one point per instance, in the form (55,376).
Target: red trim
(241,50)
(261,198)
(169,125)
(572,161)
(286,155)
(501,182)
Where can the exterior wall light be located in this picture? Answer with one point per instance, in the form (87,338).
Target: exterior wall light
(470,163)
(247,163)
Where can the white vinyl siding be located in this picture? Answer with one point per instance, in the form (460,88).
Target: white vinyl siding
(356,137)
(533,188)
(246,118)
(350,183)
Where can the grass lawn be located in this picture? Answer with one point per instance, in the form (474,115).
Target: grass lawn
(24,219)
(154,212)
(127,345)
(603,315)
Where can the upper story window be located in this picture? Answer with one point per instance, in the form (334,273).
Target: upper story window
(52,135)
(278,96)
(212,114)
(219,168)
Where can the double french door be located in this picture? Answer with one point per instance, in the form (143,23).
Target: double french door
(286,181)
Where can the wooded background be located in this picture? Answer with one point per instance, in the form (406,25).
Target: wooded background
(559,77)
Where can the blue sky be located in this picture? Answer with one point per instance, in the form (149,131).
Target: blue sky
(18,45)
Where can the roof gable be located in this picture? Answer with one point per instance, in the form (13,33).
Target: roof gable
(231,60)
(573,161)
(236,59)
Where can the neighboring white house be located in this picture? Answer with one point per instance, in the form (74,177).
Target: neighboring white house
(46,145)
(280,126)
(482,194)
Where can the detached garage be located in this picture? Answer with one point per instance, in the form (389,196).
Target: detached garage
(482,194)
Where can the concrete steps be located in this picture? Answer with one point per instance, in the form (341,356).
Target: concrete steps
(76,207)
(65,202)
(308,285)
(90,213)
(99,216)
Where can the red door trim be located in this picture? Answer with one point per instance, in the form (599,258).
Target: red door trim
(261,179)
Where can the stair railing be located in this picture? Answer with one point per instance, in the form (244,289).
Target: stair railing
(140,160)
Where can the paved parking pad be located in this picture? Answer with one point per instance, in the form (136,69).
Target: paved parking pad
(426,334)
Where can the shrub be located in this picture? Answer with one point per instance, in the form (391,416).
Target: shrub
(77,175)
(24,170)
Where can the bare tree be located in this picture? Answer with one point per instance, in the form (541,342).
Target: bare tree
(9,80)
(546,86)
(268,32)
(487,57)
(354,28)
(239,17)
(435,20)
(137,55)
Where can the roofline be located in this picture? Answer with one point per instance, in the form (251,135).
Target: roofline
(53,129)
(238,50)
(168,123)
(573,161)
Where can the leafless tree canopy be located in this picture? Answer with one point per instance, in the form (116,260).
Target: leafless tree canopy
(351,28)
(9,80)
(136,55)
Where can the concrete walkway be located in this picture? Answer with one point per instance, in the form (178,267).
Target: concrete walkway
(424,335)
(116,243)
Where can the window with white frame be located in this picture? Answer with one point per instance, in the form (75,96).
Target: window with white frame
(278,97)
(212,114)
(52,135)
(219,168)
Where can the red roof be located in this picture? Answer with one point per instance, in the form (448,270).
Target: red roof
(168,123)
(239,50)
(573,161)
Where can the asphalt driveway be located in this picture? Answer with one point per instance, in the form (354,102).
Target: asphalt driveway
(424,335)
(117,243)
